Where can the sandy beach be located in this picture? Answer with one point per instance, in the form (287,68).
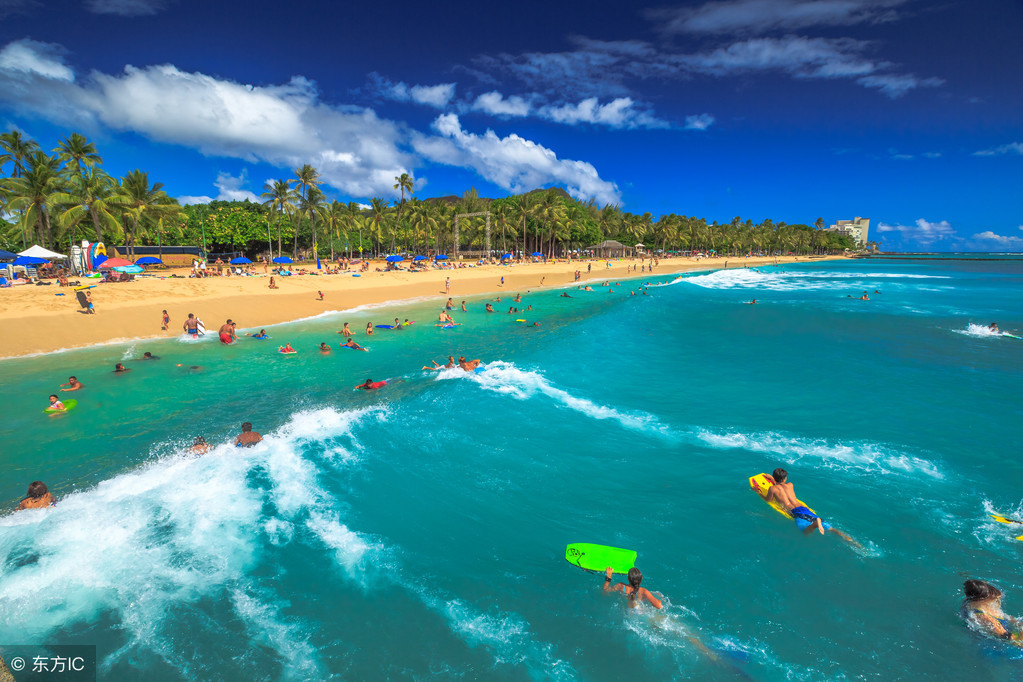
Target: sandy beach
(34,319)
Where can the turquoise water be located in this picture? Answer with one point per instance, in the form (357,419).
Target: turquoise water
(419,531)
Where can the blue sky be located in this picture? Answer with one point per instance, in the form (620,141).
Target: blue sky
(904,111)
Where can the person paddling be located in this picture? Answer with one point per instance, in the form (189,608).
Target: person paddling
(806,520)
(636,594)
(983,606)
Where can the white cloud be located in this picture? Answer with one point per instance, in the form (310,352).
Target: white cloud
(187,200)
(1003,241)
(699,122)
(898,84)
(32,58)
(762,16)
(495,104)
(285,125)
(231,188)
(126,8)
(618,113)
(436,96)
(513,163)
(922,230)
(1011,148)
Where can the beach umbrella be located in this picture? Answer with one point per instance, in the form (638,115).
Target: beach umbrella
(115,263)
(394,259)
(7,255)
(537,253)
(440,257)
(507,255)
(240,260)
(29,260)
(149,260)
(130,269)
(283,259)
(419,258)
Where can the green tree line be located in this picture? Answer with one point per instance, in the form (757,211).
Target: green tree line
(59,198)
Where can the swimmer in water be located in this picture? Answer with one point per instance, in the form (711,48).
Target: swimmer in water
(260,335)
(463,307)
(468,365)
(38,497)
(371,385)
(397,324)
(565,295)
(199,446)
(490,308)
(636,594)
(993,327)
(753,302)
(345,331)
(286,348)
(806,520)
(517,299)
(55,404)
(120,369)
(247,438)
(864,297)
(324,348)
(351,344)
(149,356)
(73,384)
(983,606)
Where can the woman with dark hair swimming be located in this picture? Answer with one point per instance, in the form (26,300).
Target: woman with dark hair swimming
(983,606)
(633,590)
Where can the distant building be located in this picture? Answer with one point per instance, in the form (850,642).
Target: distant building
(857,228)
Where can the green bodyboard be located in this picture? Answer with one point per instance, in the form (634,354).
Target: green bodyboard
(599,557)
(68,406)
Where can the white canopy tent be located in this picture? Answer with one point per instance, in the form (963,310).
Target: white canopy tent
(39,252)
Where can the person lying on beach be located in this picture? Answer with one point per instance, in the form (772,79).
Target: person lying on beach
(55,404)
(983,607)
(636,594)
(806,520)
(324,348)
(345,331)
(38,497)
(119,368)
(369,329)
(247,438)
(351,344)
(199,446)
(468,365)
(73,384)
(371,385)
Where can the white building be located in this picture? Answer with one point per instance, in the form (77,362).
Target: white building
(857,228)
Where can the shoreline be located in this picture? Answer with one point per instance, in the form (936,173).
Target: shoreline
(35,321)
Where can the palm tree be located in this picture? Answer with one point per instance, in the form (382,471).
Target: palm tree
(306,178)
(334,218)
(353,213)
(77,152)
(16,149)
(522,208)
(403,182)
(378,213)
(143,202)
(312,205)
(424,222)
(91,196)
(32,194)
(278,196)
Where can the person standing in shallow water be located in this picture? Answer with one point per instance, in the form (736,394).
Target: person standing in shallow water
(38,497)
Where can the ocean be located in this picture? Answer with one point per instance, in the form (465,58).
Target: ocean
(419,531)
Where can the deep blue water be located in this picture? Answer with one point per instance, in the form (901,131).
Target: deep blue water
(419,531)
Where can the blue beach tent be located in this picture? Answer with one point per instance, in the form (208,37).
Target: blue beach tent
(283,259)
(7,255)
(29,260)
(240,260)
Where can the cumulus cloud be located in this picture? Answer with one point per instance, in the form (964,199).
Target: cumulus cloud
(922,230)
(285,125)
(513,163)
(618,113)
(988,239)
(495,104)
(230,188)
(126,8)
(1011,148)
(762,16)
(436,96)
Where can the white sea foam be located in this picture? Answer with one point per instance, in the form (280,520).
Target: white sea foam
(792,280)
(981,331)
(863,456)
(505,378)
(178,531)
